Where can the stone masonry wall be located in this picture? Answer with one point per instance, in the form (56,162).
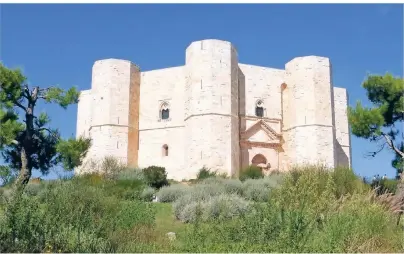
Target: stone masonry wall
(308,130)
(158,87)
(84,114)
(262,83)
(112,86)
(84,118)
(211,107)
(343,137)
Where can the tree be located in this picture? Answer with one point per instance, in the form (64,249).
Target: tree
(6,175)
(26,141)
(379,123)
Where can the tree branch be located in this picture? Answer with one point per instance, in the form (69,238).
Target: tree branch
(27,94)
(392,146)
(20,105)
(53,133)
(373,154)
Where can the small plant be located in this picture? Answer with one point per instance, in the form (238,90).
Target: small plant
(155,176)
(173,192)
(221,207)
(251,172)
(147,194)
(205,173)
(131,174)
(111,166)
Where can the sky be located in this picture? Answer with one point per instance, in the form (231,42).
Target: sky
(58,44)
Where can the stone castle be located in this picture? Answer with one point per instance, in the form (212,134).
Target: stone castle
(215,112)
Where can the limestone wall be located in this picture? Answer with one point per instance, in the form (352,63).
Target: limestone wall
(158,87)
(343,138)
(113,83)
(308,124)
(211,107)
(84,113)
(84,117)
(262,83)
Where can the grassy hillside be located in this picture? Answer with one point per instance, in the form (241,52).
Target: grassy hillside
(309,209)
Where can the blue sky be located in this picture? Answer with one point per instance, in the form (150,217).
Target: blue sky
(58,44)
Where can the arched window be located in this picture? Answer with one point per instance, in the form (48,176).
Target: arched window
(259,108)
(165,111)
(165,150)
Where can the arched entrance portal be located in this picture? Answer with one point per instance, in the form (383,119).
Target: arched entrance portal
(259,160)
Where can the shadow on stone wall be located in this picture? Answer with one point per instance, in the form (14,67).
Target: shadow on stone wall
(342,158)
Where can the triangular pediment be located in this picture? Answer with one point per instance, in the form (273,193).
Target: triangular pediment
(261,132)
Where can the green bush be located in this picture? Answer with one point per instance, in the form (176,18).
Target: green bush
(124,189)
(221,207)
(259,189)
(385,186)
(306,213)
(346,182)
(205,173)
(233,186)
(171,193)
(73,216)
(131,174)
(251,172)
(256,190)
(147,194)
(155,176)
(33,189)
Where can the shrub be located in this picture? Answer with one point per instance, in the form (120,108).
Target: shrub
(147,194)
(171,193)
(304,214)
(251,172)
(33,189)
(346,182)
(221,207)
(233,186)
(155,176)
(205,191)
(385,186)
(205,173)
(131,174)
(124,189)
(74,217)
(256,190)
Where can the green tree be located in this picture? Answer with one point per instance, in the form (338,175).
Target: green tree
(6,175)
(26,140)
(379,123)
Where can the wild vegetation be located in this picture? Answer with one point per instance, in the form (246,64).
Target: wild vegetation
(310,209)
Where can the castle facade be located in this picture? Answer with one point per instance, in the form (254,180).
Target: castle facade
(215,112)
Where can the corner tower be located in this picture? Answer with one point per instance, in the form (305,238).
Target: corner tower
(308,124)
(211,107)
(114,127)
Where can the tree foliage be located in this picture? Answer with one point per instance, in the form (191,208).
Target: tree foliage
(379,123)
(26,140)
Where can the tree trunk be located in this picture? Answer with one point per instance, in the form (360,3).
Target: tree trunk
(26,147)
(25,172)
(23,176)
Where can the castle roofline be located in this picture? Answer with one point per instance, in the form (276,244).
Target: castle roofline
(211,40)
(116,59)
